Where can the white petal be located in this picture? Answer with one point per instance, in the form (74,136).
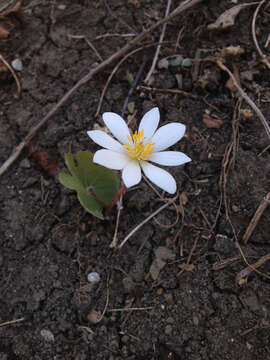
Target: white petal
(167,136)
(149,123)
(159,177)
(169,158)
(105,140)
(117,126)
(111,159)
(131,174)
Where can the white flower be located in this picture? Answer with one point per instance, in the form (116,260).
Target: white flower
(133,153)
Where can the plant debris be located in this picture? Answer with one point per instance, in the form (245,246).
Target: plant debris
(227,19)
(44,159)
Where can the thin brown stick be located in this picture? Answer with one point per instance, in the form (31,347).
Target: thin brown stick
(118,195)
(79,37)
(114,242)
(166,91)
(131,309)
(226,262)
(252,267)
(11,322)
(243,274)
(246,97)
(148,76)
(146,220)
(113,35)
(253,30)
(185,5)
(254,221)
(115,71)
(107,302)
(13,74)
(189,257)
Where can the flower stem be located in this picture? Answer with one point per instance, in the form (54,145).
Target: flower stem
(120,192)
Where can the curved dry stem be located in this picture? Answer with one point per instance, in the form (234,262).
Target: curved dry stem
(253,30)
(246,97)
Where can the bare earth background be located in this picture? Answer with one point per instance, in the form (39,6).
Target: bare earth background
(49,245)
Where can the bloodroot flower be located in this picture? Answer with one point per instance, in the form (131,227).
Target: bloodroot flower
(131,153)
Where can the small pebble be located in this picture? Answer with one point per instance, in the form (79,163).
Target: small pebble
(187,63)
(47,335)
(93,277)
(25,163)
(94,316)
(125,339)
(17,64)
(168,330)
(61,7)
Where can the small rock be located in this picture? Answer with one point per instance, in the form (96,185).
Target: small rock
(63,206)
(131,107)
(195,320)
(17,64)
(170,320)
(125,339)
(47,335)
(128,284)
(61,7)
(162,255)
(93,277)
(168,329)
(94,316)
(25,164)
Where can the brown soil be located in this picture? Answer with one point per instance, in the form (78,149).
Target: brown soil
(49,244)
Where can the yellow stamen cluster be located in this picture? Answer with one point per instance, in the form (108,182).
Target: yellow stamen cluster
(136,148)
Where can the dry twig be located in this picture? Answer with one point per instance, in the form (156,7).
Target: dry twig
(166,91)
(13,74)
(146,220)
(185,5)
(253,30)
(148,76)
(189,257)
(113,244)
(226,262)
(254,221)
(70,37)
(114,72)
(252,267)
(243,274)
(131,309)
(11,322)
(246,97)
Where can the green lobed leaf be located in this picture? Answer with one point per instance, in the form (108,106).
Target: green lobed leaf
(95,184)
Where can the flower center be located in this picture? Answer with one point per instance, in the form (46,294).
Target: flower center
(136,148)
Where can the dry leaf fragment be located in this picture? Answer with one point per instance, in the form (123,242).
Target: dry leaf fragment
(15,11)
(212,123)
(229,84)
(163,63)
(45,160)
(3,67)
(227,19)
(3,33)
(247,113)
(232,51)
(187,267)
